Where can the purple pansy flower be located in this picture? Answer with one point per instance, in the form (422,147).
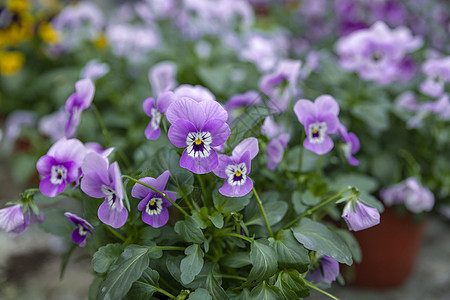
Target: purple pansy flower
(280,85)
(77,102)
(61,165)
(237,101)
(197,92)
(155,110)
(83,228)
(13,220)
(350,144)
(198,126)
(101,180)
(54,125)
(235,168)
(153,205)
(407,101)
(410,192)
(278,142)
(319,119)
(94,69)
(359,216)
(97,148)
(438,74)
(327,271)
(162,77)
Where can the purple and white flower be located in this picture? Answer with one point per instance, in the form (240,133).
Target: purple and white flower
(155,110)
(438,74)
(14,220)
(76,103)
(236,168)
(94,69)
(198,126)
(153,205)
(60,166)
(327,271)
(319,119)
(359,216)
(350,144)
(280,85)
(410,192)
(162,77)
(278,141)
(101,180)
(83,228)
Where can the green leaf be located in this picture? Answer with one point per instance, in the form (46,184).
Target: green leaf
(189,230)
(145,286)
(309,199)
(246,123)
(361,181)
(105,257)
(236,260)
(371,201)
(201,217)
(316,236)
(200,294)
(214,288)
(352,244)
(127,269)
(94,288)
(291,285)
(299,207)
(230,204)
(192,264)
(263,291)
(263,259)
(290,253)
(217,219)
(374,115)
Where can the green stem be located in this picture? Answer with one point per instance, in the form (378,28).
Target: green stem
(300,159)
(116,233)
(202,186)
(159,192)
(315,208)
(238,236)
(232,277)
(263,212)
(158,289)
(189,204)
(309,284)
(176,248)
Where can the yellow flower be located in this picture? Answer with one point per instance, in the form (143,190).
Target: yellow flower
(11,62)
(18,6)
(48,33)
(101,41)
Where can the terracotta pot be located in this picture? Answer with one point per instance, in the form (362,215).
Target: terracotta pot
(389,250)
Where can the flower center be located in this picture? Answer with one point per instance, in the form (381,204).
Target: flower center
(111,196)
(376,56)
(236,174)
(316,132)
(198,144)
(59,174)
(81,230)
(156,118)
(154,206)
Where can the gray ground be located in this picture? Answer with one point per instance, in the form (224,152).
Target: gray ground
(30,264)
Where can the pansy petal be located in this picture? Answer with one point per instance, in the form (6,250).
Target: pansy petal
(11,217)
(326,104)
(171,196)
(161,181)
(95,163)
(179,131)
(186,109)
(151,133)
(332,122)
(249,144)
(164,101)
(156,220)
(68,150)
(220,131)
(140,192)
(199,165)
(143,203)
(319,148)
(275,152)
(112,216)
(214,110)
(44,165)
(77,238)
(224,161)
(91,184)
(303,109)
(85,90)
(354,141)
(148,104)
(236,190)
(116,179)
(49,189)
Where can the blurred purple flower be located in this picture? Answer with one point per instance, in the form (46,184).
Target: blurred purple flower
(281,85)
(198,126)
(438,74)
(319,119)
(13,125)
(13,220)
(76,103)
(94,69)
(407,101)
(350,146)
(101,180)
(155,112)
(196,92)
(278,141)
(410,192)
(97,148)
(83,228)
(312,63)
(237,101)
(359,216)
(61,165)
(54,125)
(236,168)
(327,271)
(162,77)
(153,205)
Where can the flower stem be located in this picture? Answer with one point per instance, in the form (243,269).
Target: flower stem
(159,192)
(300,158)
(263,212)
(189,204)
(238,236)
(309,284)
(116,233)
(158,289)
(202,185)
(317,207)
